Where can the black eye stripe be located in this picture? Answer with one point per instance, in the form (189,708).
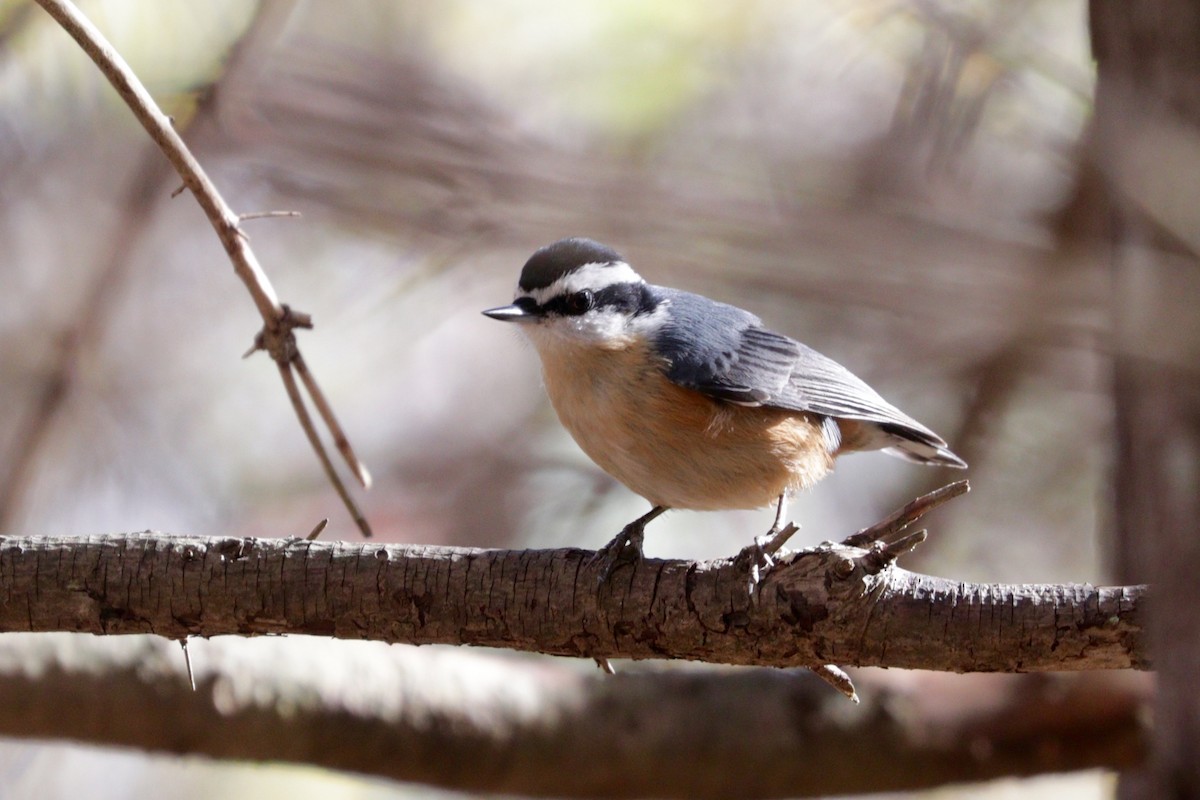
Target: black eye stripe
(615,297)
(628,298)
(569,305)
(631,298)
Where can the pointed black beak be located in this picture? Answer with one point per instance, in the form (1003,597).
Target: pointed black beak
(513,313)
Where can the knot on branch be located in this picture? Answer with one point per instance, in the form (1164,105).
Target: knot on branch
(872,550)
(278,339)
(846,571)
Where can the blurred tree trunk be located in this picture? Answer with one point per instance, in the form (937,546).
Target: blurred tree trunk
(1146,137)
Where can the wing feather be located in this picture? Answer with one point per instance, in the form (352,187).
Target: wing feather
(726,353)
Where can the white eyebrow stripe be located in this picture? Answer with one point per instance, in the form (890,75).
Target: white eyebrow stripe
(595,276)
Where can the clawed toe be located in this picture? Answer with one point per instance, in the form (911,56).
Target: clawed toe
(625,549)
(759,556)
(758,561)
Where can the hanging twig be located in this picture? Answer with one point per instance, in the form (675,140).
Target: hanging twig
(310,430)
(278,321)
(335,429)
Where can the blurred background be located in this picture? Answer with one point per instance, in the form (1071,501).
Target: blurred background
(886,181)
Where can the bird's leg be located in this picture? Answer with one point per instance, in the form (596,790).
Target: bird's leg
(771,541)
(626,546)
(759,554)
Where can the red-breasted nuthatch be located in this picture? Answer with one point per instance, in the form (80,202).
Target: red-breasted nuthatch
(689,402)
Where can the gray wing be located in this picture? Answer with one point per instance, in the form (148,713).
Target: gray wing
(726,353)
(713,348)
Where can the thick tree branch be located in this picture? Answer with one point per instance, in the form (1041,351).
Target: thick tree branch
(476,722)
(833,604)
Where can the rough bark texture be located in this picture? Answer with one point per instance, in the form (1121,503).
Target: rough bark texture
(834,604)
(478,722)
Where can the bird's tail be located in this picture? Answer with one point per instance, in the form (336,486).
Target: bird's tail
(919,445)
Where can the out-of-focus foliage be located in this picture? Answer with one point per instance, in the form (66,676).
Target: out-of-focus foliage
(52,82)
(624,69)
(879,179)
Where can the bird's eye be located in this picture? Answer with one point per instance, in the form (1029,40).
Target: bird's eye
(578,303)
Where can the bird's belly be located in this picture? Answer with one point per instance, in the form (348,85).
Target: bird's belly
(679,448)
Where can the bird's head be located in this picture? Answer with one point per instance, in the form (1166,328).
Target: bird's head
(581,293)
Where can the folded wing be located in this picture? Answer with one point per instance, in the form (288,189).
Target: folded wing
(726,353)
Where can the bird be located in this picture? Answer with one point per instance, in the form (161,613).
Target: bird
(690,402)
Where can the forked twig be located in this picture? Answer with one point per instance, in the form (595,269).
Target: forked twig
(310,430)
(886,541)
(278,321)
(887,528)
(335,429)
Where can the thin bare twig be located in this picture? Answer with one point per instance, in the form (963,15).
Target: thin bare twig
(310,430)
(267,215)
(187,661)
(278,322)
(315,533)
(335,429)
(836,677)
(159,126)
(898,520)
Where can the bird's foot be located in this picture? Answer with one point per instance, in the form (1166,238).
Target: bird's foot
(757,561)
(625,548)
(758,558)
